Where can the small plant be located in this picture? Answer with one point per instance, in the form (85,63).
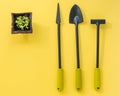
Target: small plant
(22,22)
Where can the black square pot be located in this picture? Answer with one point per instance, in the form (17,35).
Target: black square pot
(16,29)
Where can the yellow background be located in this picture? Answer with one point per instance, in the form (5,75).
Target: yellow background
(28,63)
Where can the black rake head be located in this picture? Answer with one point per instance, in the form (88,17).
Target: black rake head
(98,21)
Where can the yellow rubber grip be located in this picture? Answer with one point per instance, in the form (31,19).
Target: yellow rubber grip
(78,79)
(97,78)
(59,79)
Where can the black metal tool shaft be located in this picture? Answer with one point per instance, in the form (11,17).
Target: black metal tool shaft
(59,43)
(97,47)
(77,47)
(59,48)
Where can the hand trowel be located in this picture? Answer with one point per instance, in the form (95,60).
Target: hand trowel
(76,17)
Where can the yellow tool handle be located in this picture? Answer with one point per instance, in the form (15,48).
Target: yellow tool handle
(60,79)
(97,78)
(78,79)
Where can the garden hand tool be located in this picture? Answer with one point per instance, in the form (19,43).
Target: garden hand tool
(97,69)
(59,70)
(76,18)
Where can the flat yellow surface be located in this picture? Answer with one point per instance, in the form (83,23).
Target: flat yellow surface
(28,63)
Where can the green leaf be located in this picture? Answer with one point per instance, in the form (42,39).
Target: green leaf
(22,22)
